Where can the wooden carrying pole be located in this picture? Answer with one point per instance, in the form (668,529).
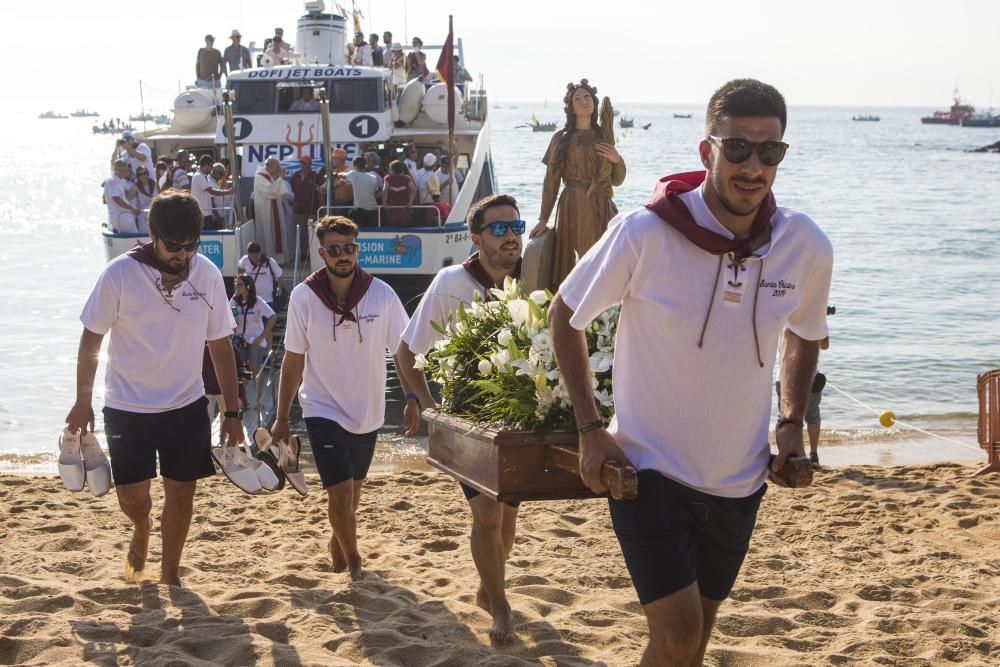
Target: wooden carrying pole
(324,108)
(621,480)
(227,109)
(452,183)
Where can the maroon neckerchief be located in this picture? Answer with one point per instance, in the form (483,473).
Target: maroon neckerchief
(475,268)
(144,254)
(320,285)
(275,216)
(666,203)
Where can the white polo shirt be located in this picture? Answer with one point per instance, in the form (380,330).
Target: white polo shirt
(157,337)
(700,415)
(452,285)
(136,162)
(250,322)
(344,379)
(263,275)
(200,186)
(116,187)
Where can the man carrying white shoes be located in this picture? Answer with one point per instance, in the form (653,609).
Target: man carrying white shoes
(160,302)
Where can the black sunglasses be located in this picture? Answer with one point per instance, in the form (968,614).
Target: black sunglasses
(500,227)
(337,250)
(174,246)
(739,150)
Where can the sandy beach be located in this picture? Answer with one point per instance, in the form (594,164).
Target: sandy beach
(869,566)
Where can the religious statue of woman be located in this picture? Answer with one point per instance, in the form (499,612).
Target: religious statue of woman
(583,156)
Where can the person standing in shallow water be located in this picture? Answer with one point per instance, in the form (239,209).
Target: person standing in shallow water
(576,157)
(160,302)
(697,274)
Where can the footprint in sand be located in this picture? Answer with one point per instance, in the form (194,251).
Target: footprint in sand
(438,546)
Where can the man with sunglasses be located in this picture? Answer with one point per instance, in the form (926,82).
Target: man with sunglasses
(709,273)
(160,302)
(496,229)
(341,320)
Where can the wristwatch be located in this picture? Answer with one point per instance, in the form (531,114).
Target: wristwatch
(233,414)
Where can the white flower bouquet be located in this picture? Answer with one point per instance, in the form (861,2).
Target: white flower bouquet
(496,365)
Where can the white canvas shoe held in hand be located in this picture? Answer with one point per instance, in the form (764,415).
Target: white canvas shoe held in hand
(71,468)
(95,463)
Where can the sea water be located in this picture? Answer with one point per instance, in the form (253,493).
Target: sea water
(913,217)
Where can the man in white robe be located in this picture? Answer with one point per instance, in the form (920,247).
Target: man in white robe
(269,187)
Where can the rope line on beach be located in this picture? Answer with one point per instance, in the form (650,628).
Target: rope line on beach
(904,424)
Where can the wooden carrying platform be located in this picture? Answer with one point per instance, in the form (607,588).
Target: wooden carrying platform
(517,465)
(988,388)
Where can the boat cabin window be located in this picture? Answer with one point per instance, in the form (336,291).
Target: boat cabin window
(294,98)
(352,96)
(345,95)
(253,97)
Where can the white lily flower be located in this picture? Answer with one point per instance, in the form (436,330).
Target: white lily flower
(539,296)
(485,367)
(419,362)
(504,337)
(519,311)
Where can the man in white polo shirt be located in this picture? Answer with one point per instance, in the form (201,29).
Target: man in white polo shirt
(204,187)
(122,211)
(160,302)
(496,229)
(708,274)
(341,320)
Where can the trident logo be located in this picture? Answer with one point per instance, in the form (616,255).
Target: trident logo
(299,144)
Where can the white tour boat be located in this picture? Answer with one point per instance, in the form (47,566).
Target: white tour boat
(364,112)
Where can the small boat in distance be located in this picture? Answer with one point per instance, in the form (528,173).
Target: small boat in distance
(954,116)
(626,122)
(866,118)
(541,127)
(647,126)
(84,113)
(682,115)
(51,114)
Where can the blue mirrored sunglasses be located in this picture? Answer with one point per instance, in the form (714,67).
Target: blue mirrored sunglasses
(500,227)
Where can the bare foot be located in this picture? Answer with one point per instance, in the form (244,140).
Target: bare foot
(503,625)
(135,559)
(339,562)
(170,579)
(356,571)
(483,600)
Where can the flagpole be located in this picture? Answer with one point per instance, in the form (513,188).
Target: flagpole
(451,124)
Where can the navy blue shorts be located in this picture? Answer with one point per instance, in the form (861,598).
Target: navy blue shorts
(340,455)
(471,493)
(672,536)
(182,439)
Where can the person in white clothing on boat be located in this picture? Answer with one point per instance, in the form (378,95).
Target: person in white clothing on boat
(204,188)
(269,187)
(135,153)
(122,211)
(341,322)
(427,186)
(496,229)
(263,269)
(448,177)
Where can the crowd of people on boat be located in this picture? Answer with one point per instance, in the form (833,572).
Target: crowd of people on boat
(413,191)
(211,65)
(136,178)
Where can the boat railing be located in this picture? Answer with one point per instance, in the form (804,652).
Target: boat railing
(345,211)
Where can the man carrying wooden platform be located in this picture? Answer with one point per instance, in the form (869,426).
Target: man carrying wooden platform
(709,273)
(496,229)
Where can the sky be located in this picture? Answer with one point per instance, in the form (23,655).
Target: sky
(845,53)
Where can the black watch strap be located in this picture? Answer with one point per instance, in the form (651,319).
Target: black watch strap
(233,414)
